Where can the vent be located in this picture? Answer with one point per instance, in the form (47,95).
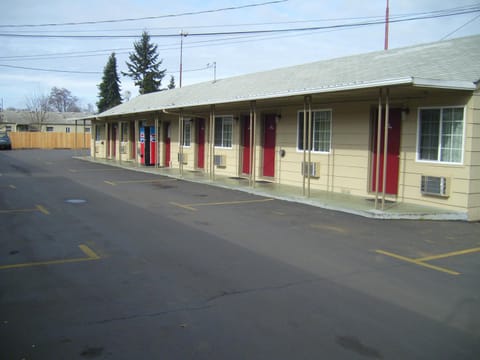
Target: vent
(311,169)
(434,185)
(183,158)
(220,160)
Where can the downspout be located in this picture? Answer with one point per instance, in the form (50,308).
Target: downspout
(379,133)
(84,134)
(385,149)
(309,134)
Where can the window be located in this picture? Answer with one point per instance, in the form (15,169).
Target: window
(87,129)
(440,135)
(187,127)
(321,130)
(223,131)
(67,130)
(49,128)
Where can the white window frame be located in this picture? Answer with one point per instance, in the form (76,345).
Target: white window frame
(187,140)
(223,135)
(313,131)
(67,130)
(439,161)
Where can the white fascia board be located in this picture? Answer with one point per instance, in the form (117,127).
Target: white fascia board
(444,84)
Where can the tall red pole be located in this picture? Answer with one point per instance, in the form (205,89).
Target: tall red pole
(386,26)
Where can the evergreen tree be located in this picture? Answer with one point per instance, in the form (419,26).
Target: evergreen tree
(143,67)
(171,85)
(110,86)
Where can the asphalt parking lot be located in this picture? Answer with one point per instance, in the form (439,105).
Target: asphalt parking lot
(102,262)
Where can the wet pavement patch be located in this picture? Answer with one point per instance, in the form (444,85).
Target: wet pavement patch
(14,252)
(75,201)
(92,352)
(353,344)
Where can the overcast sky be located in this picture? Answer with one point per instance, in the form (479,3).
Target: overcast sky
(233,54)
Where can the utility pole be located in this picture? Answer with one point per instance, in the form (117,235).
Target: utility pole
(386,26)
(182,35)
(214,65)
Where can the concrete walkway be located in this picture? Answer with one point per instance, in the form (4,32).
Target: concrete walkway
(351,204)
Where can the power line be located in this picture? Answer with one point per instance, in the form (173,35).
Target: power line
(51,70)
(460,27)
(431,15)
(152,17)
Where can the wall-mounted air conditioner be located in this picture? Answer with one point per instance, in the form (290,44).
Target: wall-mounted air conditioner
(434,185)
(220,160)
(311,168)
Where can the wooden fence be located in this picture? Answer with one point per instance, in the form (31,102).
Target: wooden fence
(49,140)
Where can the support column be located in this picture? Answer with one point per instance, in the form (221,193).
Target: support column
(107,142)
(136,142)
(379,134)
(212,142)
(304,145)
(157,143)
(180,143)
(94,140)
(309,136)
(254,145)
(250,155)
(120,140)
(385,148)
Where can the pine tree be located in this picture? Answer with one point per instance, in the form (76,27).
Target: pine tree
(171,85)
(110,86)
(143,67)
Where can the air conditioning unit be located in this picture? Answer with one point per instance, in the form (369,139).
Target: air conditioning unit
(183,158)
(311,168)
(434,185)
(220,160)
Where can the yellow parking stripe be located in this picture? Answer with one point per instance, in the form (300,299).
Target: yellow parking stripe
(238,202)
(113,183)
(91,255)
(39,208)
(450,254)
(417,262)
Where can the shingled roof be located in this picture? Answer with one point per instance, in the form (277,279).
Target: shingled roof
(452,64)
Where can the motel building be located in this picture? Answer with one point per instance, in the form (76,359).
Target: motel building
(399,126)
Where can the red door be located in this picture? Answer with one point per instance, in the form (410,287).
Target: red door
(269,146)
(114,140)
(167,145)
(246,146)
(132,141)
(393,153)
(201,144)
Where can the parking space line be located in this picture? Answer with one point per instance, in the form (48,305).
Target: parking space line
(449,254)
(39,208)
(417,262)
(192,207)
(90,255)
(94,170)
(183,206)
(121,182)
